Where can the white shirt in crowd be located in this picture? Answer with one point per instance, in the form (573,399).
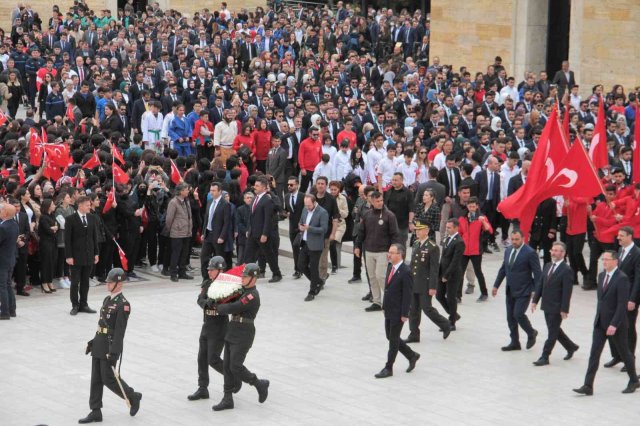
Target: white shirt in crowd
(373,158)
(225,133)
(506,173)
(409,172)
(340,162)
(386,169)
(323,169)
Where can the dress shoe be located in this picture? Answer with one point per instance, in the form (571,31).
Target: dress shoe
(623,369)
(495,247)
(367,297)
(446,333)
(225,404)
(483,298)
(611,363)
(570,353)
(263,390)
(373,308)
(74,311)
(355,280)
(201,393)
(165,273)
(174,278)
(5,317)
(412,362)
(309,297)
(584,390)
(588,287)
(511,347)
(384,373)
(12,314)
(135,403)
(458,316)
(412,339)
(185,277)
(487,251)
(275,279)
(532,339)
(541,361)
(86,309)
(631,387)
(334,271)
(297,275)
(452,327)
(261,274)
(469,289)
(22,293)
(132,275)
(94,416)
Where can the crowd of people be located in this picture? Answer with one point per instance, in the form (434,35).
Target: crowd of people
(149,133)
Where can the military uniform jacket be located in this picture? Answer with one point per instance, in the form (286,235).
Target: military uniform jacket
(246,306)
(114,315)
(211,315)
(425,264)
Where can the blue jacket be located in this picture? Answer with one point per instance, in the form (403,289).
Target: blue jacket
(55,106)
(179,128)
(525,274)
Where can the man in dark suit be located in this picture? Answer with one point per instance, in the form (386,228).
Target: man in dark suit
(564,79)
(611,323)
(139,108)
(260,221)
(276,165)
(81,252)
(293,205)
(396,304)
(314,223)
(629,263)
(22,251)
(521,268)
(215,227)
(555,289)
(451,273)
(489,195)
(8,237)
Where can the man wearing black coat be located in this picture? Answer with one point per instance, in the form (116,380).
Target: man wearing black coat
(396,304)
(555,289)
(611,323)
(543,228)
(489,195)
(8,237)
(215,227)
(22,252)
(451,273)
(293,206)
(81,253)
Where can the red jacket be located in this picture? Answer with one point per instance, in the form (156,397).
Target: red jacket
(309,154)
(605,219)
(197,136)
(247,141)
(577,216)
(262,141)
(470,233)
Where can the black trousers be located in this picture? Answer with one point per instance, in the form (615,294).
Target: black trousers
(517,316)
(447,294)
(305,181)
(179,255)
(210,347)
(255,247)
(80,284)
(597,248)
(296,251)
(164,251)
(489,209)
(209,249)
(575,244)
(392,329)
(620,341)
(554,320)
(421,302)
(237,345)
(149,243)
(309,265)
(632,336)
(543,243)
(357,266)
(20,271)
(102,375)
(105,262)
(476,262)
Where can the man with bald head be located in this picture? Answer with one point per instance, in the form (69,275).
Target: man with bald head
(8,244)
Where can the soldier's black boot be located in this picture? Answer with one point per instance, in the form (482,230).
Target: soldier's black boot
(94,416)
(225,404)
(263,390)
(201,393)
(135,403)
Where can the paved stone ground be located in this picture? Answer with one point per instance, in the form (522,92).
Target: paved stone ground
(320,358)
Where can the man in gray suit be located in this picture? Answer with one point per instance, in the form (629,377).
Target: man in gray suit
(313,226)
(276,166)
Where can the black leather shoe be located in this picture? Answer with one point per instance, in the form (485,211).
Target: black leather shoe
(297,275)
(135,403)
(446,333)
(532,339)
(589,287)
(86,309)
(366,297)
(132,275)
(5,317)
(309,297)
(511,347)
(412,362)
(584,390)
(225,404)
(384,373)
(623,369)
(482,298)
(201,393)
(22,293)
(275,279)
(355,280)
(541,361)
(412,339)
(611,363)
(185,277)
(94,416)
(261,274)
(631,387)
(165,273)
(74,311)
(174,278)
(373,308)
(570,353)
(263,390)
(12,314)
(452,327)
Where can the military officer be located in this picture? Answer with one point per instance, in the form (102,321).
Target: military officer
(214,329)
(425,263)
(239,339)
(106,348)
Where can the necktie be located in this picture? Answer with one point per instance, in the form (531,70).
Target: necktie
(512,258)
(393,271)
(124,124)
(293,202)
(213,210)
(253,208)
(606,282)
(84,221)
(452,184)
(622,254)
(81,74)
(490,186)
(553,268)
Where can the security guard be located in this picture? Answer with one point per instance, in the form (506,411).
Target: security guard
(239,339)
(106,348)
(212,335)
(425,263)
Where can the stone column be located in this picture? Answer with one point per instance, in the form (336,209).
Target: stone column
(530,22)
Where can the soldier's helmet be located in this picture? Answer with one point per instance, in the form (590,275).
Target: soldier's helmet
(217,262)
(250,270)
(116,275)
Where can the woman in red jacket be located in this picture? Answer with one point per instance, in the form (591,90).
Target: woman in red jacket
(262,141)
(471,228)
(245,139)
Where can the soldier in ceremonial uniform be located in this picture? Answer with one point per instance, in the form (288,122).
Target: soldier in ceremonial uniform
(106,348)
(239,339)
(214,329)
(425,264)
